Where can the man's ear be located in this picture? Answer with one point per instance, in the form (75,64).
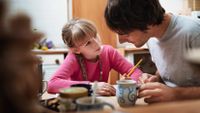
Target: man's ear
(75,50)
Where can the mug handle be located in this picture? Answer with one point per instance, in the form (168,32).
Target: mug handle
(108,104)
(137,88)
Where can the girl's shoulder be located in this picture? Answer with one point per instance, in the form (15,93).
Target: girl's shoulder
(107,48)
(71,57)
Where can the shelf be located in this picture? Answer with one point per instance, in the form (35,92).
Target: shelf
(133,50)
(51,51)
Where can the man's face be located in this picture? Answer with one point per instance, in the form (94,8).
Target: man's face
(138,38)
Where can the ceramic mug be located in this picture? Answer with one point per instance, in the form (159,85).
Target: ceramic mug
(85,104)
(126,92)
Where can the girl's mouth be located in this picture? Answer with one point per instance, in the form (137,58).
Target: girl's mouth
(98,49)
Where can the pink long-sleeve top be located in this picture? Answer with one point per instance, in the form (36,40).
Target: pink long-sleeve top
(69,72)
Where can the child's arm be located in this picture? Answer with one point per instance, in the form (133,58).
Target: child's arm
(57,83)
(63,76)
(121,65)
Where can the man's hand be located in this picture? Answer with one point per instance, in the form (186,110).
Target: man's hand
(105,89)
(156,92)
(145,78)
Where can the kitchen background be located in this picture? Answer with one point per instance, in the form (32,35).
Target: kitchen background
(49,16)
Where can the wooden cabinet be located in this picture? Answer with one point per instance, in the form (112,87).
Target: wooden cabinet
(51,60)
(193,4)
(50,64)
(114,75)
(93,10)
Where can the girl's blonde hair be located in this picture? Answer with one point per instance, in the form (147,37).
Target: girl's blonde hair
(77,30)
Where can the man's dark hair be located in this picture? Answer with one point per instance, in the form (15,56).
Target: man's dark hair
(124,16)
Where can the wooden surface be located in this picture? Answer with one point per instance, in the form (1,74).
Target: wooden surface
(190,106)
(173,107)
(114,75)
(93,10)
(170,107)
(136,50)
(194,4)
(123,51)
(51,51)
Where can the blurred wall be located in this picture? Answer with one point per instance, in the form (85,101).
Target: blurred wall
(48,16)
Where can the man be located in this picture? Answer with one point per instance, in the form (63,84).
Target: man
(168,37)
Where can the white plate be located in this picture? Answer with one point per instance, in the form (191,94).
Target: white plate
(193,56)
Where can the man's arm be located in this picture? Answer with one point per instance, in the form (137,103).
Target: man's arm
(158,92)
(184,93)
(150,78)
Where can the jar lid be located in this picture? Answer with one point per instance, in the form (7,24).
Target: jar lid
(73,92)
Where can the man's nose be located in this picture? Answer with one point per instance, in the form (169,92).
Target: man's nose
(122,39)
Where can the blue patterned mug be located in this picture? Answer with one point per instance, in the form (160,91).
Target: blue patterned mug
(126,92)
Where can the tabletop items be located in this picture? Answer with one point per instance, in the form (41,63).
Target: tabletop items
(76,98)
(68,96)
(138,107)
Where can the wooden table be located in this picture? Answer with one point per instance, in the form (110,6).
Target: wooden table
(190,106)
(109,99)
(51,51)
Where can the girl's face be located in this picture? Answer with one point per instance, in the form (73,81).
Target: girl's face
(90,48)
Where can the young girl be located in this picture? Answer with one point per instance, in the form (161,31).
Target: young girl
(88,61)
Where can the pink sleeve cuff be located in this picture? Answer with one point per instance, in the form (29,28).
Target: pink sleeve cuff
(136,74)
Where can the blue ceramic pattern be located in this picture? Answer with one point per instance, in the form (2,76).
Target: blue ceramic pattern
(126,94)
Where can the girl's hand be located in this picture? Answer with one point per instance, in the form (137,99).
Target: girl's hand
(125,77)
(105,89)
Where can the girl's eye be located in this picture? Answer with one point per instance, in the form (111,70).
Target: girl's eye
(88,43)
